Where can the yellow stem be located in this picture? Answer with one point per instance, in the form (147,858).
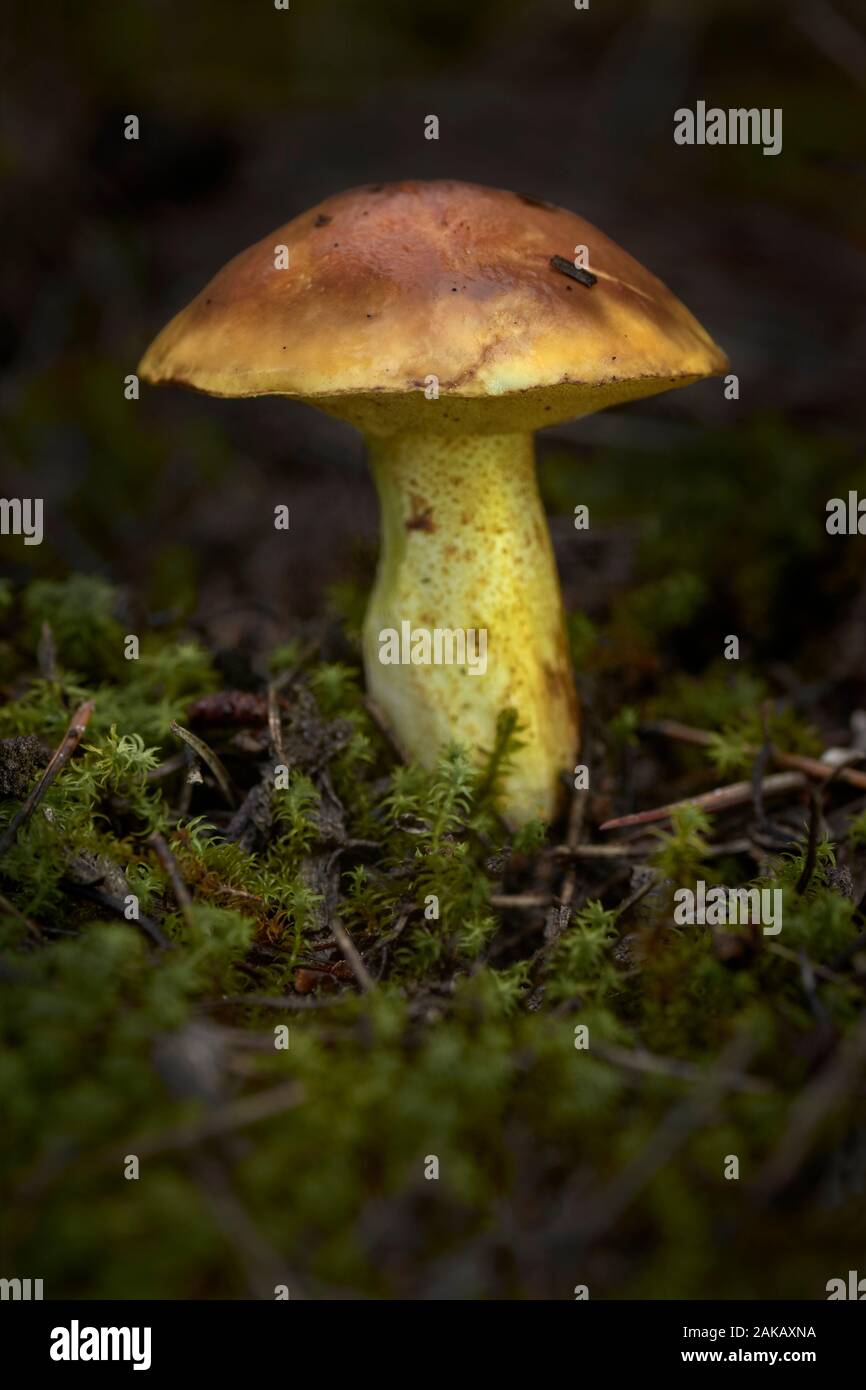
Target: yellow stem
(466,550)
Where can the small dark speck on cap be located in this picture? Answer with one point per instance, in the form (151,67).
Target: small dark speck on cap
(322,220)
(376,187)
(574,272)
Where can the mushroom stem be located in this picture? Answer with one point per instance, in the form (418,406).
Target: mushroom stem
(467,571)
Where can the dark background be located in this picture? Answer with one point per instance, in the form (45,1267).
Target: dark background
(250,115)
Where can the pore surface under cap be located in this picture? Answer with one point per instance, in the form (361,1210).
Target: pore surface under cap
(388,285)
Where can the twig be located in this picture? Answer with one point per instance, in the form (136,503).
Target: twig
(7,906)
(813,767)
(824,972)
(286,679)
(608,1205)
(275,727)
(637,1059)
(520,900)
(293,1003)
(240,893)
(651,880)
(106,899)
(815,819)
(261,1262)
(635,849)
(384,942)
(236,1114)
(812,846)
(46,654)
(810,989)
(719,799)
(59,759)
(759,769)
(623,849)
(166,768)
(208,756)
(352,955)
(820,1099)
(169,864)
(574,834)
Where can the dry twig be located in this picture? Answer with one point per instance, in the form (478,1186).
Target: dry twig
(209,757)
(59,759)
(169,864)
(719,799)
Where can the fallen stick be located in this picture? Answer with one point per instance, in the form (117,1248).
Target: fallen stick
(95,894)
(352,955)
(825,1094)
(225,1119)
(819,768)
(234,1115)
(209,757)
(275,727)
(719,799)
(13,911)
(183,897)
(520,900)
(638,1060)
(633,849)
(824,972)
(59,759)
(290,1002)
(574,835)
(605,1207)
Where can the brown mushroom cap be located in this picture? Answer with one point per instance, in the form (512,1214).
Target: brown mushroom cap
(389,285)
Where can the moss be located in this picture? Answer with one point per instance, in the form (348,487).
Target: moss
(466,1049)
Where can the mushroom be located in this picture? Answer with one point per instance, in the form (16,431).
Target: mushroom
(448,321)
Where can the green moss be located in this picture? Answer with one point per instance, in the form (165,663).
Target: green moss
(465,1049)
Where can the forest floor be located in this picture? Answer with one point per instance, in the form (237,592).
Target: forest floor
(346,1036)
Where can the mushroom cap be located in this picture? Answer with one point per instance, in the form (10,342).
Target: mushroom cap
(390,285)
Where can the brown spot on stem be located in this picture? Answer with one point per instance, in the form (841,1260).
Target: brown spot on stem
(560,687)
(422,516)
